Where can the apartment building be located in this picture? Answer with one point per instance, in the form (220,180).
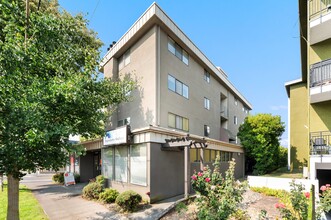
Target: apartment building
(310,96)
(184,113)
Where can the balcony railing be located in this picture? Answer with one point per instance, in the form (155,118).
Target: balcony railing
(320,143)
(320,73)
(318,8)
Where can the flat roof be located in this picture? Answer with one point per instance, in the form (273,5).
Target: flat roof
(155,14)
(288,84)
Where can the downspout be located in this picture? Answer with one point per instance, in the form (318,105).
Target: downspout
(158,75)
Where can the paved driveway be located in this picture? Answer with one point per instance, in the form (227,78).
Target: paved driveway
(61,202)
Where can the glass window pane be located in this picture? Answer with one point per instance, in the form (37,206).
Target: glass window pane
(185,124)
(138,163)
(120,123)
(206,155)
(193,155)
(185,91)
(179,87)
(213,155)
(107,163)
(222,156)
(179,122)
(121,163)
(171,120)
(171,46)
(185,57)
(178,51)
(171,83)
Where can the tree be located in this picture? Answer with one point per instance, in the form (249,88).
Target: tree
(48,89)
(259,135)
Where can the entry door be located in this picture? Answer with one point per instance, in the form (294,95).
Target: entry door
(96,164)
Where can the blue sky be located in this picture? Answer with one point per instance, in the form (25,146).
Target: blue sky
(255,42)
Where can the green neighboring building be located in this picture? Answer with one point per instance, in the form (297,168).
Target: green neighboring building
(309,114)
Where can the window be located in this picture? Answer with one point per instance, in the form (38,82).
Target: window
(206,77)
(206,103)
(138,163)
(122,122)
(171,83)
(206,130)
(107,163)
(178,122)
(121,164)
(235,120)
(235,101)
(178,51)
(177,86)
(124,60)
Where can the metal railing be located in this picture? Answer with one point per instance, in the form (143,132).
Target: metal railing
(320,143)
(320,73)
(318,8)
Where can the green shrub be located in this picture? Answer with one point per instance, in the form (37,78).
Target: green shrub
(100,180)
(58,178)
(109,195)
(218,197)
(128,200)
(92,190)
(279,193)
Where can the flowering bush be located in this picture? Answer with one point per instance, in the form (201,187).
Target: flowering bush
(295,206)
(217,197)
(325,199)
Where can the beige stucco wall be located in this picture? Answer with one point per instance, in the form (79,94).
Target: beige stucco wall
(142,108)
(193,107)
(299,125)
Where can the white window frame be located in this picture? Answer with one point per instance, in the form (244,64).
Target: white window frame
(180,88)
(179,122)
(206,76)
(138,166)
(206,103)
(178,51)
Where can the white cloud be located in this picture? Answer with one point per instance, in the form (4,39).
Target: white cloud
(278,107)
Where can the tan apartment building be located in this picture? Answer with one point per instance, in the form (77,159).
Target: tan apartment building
(310,96)
(184,113)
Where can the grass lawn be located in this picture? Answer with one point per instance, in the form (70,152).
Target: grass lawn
(29,206)
(284,173)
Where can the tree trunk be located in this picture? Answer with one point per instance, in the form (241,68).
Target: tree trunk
(13,195)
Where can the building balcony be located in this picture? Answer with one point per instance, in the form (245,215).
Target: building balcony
(320,143)
(224,113)
(320,81)
(320,20)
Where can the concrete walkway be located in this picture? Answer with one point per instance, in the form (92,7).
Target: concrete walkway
(61,202)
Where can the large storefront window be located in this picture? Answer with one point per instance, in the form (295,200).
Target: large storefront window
(107,162)
(138,162)
(121,164)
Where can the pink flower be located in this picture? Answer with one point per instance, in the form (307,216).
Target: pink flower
(327,185)
(323,188)
(207,179)
(279,205)
(194,177)
(307,195)
(199,174)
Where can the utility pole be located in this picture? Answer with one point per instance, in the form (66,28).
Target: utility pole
(27,11)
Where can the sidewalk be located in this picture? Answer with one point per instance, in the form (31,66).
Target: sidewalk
(61,202)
